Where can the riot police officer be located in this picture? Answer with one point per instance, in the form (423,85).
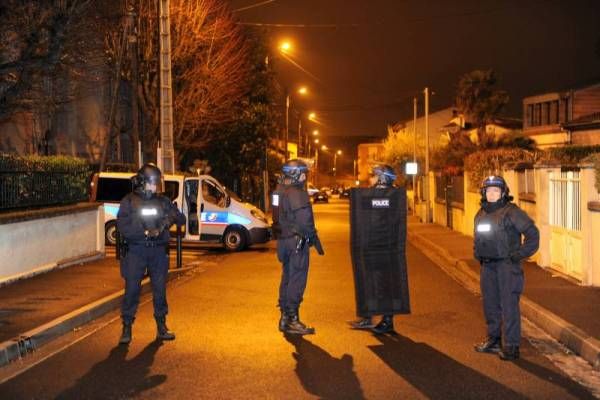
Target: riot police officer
(382,177)
(143,221)
(499,225)
(294,228)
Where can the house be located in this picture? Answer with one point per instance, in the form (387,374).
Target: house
(563,117)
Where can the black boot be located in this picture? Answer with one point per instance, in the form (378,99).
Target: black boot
(489,345)
(362,323)
(386,325)
(294,326)
(126,334)
(282,321)
(162,332)
(509,353)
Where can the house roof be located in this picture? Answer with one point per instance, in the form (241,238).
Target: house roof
(584,122)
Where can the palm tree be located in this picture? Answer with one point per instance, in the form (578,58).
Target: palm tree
(478,98)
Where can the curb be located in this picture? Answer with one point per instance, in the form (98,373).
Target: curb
(566,333)
(21,346)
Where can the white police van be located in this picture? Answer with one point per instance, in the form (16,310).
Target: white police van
(214,214)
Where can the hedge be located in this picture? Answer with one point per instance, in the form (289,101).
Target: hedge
(37,181)
(489,162)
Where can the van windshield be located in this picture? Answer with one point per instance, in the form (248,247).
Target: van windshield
(112,189)
(233,195)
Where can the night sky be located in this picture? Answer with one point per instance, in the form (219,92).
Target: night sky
(380,53)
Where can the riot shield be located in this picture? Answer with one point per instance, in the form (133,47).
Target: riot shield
(378,249)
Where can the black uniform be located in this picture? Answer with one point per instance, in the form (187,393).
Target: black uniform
(138,217)
(498,247)
(296,223)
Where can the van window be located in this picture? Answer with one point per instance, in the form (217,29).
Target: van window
(172,190)
(213,194)
(112,189)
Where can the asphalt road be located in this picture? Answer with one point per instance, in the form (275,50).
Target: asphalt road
(228,345)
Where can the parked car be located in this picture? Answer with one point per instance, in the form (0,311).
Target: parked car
(335,190)
(321,197)
(326,189)
(311,189)
(345,193)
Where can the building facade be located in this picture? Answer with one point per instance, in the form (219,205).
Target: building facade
(563,118)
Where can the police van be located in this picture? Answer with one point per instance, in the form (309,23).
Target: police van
(213,213)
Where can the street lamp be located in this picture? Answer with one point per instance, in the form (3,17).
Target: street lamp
(302,91)
(337,153)
(312,116)
(285,47)
(315,133)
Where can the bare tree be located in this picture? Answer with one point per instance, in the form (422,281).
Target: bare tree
(49,51)
(210,68)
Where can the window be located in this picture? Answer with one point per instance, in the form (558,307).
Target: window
(171,190)
(529,114)
(546,113)
(112,189)
(213,194)
(553,112)
(537,114)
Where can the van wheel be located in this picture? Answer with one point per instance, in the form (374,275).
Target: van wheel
(234,239)
(110,233)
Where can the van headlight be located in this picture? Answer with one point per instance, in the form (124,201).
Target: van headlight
(256,213)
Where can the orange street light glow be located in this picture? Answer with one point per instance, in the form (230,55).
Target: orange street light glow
(303,90)
(312,116)
(323,147)
(285,47)
(339,152)
(315,132)
(317,141)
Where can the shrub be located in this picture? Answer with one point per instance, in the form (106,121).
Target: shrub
(568,154)
(489,162)
(42,180)
(595,159)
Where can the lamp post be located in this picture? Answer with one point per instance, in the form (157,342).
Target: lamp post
(303,91)
(337,153)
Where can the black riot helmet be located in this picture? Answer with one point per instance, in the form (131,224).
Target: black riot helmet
(293,169)
(495,181)
(148,174)
(385,175)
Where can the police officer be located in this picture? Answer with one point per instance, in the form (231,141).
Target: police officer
(499,225)
(294,228)
(382,177)
(143,221)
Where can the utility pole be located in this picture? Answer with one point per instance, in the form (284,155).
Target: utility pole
(414,179)
(287,122)
(133,57)
(299,131)
(167,161)
(427,191)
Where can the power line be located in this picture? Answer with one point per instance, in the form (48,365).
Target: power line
(254,5)
(264,24)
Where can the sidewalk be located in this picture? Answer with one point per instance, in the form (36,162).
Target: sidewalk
(565,310)
(36,310)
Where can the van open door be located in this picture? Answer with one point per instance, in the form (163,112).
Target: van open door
(192,208)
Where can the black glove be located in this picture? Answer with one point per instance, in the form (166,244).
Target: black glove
(152,234)
(515,257)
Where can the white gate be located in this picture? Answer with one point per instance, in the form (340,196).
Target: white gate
(565,223)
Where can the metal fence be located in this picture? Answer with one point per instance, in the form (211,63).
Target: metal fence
(526,179)
(450,188)
(20,189)
(565,200)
